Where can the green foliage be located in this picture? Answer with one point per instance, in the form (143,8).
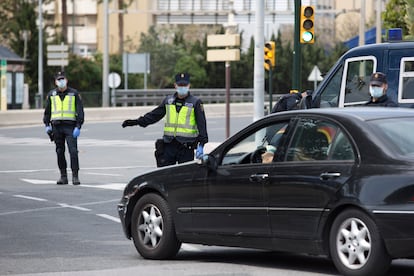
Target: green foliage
(16,16)
(394,15)
(84,74)
(409,18)
(170,53)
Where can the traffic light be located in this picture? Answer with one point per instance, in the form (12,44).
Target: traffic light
(269,55)
(307,19)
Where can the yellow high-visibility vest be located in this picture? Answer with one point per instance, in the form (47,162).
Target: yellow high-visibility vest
(181,123)
(63,110)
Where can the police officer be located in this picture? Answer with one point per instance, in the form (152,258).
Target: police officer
(185,126)
(289,101)
(63,118)
(378,86)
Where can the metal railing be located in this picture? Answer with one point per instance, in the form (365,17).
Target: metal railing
(138,97)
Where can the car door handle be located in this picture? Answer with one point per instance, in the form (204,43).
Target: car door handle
(259,177)
(329,175)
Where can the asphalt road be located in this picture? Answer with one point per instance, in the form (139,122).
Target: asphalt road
(46,229)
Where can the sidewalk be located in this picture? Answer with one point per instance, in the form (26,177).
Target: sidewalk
(35,116)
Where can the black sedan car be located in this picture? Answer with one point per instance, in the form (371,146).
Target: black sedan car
(340,184)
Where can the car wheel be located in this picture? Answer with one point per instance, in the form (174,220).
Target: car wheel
(356,246)
(153,230)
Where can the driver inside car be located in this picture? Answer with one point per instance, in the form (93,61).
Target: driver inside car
(267,156)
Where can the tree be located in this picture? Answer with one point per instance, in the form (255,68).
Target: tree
(15,17)
(409,18)
(394,15)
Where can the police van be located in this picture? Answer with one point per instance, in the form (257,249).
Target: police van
(347,82)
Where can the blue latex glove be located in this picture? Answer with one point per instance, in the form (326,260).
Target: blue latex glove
(199,152)
(48,129)
(76,132)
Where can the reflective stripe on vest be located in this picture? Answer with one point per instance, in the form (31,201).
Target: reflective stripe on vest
(181,124)
(63,110)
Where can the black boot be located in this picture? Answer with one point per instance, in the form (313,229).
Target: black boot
(62,180)
(75,178)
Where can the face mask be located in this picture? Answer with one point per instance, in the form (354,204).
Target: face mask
(182,90)
(61,83)
(375,91)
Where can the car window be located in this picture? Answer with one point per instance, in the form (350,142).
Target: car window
(399,132)
(341,148)
(251,148)
(315,140)
(358,74)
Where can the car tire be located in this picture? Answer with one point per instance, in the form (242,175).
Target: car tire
(153,230)
(356,247)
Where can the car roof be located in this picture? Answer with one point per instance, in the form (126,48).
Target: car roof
(359,113)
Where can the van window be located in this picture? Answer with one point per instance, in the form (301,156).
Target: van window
(358,73)
(406,88)
(330,93)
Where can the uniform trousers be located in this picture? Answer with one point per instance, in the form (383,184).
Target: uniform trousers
(63,133)
(176,152)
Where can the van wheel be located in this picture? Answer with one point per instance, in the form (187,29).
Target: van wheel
(153,230)
(356,246)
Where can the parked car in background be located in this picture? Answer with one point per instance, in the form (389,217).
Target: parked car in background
(341,185)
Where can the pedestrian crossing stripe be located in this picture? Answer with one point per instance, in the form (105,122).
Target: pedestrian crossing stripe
(108,186)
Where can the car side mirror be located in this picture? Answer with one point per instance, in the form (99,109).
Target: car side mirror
(209,161)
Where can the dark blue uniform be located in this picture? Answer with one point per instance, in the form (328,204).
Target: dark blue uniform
(177,148)
(382,101)
(63,129)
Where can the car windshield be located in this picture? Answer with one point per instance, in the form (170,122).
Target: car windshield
(399,132)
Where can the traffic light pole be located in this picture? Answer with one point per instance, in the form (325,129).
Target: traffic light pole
(297,49)
(270,90)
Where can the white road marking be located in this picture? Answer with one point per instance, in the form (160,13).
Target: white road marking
(110,186)
(74,207)
(38,181)
(106,174)
(30,141)
(92,168)
(27,171)
(109,217)
(30,197)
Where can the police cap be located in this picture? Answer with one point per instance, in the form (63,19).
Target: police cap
(60,75)
(182,79)
(378,79)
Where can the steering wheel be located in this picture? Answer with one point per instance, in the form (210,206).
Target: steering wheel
(256,156)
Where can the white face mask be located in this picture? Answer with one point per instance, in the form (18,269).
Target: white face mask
(376,91)
(182,90)
(61,83)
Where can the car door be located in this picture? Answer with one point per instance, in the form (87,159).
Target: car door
(236,187)
(319,159)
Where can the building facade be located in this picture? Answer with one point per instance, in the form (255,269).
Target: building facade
(334,19)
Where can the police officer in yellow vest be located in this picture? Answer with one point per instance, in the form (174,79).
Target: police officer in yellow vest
(185,128)
(63,118)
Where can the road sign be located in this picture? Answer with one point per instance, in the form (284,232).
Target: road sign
(114,80)
(58,48)
(57,55)
(223,55)
(225,40)
(315,75)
